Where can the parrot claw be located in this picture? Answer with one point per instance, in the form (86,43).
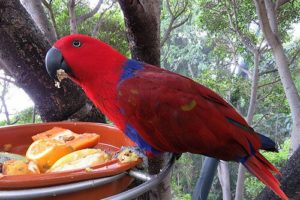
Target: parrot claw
(129,153)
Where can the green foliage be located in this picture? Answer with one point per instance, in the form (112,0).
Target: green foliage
(61,14)
(111,31)
(279,159)
(23,117)
(185,174)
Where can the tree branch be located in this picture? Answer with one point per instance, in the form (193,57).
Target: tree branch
(272,14)
(266,95)
(243,38)
(265,24)
(51,13)
(38,14)
(174,16)
(90,14)
(181,23)
(268,72)
(4,106)
(280,3)
(294,57)
(259,120)
(9,80)
(100,21)
(72,15)
(270,83)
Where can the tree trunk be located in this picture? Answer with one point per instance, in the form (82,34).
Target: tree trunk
(72,16)
(266,21)
(224,178)
(239,193)
(142,20)
(290,180)
(240,183)
(291,94)
(36,10)
(22,50)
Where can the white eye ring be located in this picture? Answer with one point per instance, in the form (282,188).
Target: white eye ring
(76,43)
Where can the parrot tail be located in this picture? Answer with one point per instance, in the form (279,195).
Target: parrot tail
(262,169)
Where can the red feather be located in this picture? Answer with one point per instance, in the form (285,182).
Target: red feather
(170,112)
(175,114)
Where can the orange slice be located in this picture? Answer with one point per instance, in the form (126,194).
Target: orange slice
(45,152)
(82,159)
(76,141)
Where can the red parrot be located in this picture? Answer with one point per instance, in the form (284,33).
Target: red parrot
(159,110)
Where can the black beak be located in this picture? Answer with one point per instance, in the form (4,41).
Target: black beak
(55,61)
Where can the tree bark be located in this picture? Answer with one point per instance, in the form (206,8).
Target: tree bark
(22,50)
(240,183)
(224,178)
(72,16)
(266,21)
(48,6)
(290,181)
(142,21)
(36,10)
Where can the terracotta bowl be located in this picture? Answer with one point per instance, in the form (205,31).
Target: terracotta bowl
(111,139)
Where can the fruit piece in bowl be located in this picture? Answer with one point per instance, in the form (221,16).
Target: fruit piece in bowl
(45,152)
(76,141)
(19,167)
(81,159)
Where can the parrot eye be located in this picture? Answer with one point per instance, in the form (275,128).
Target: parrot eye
(76,43)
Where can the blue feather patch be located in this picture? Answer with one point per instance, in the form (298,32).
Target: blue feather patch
(245,158)
(129,68)
(267,144)
(134,136)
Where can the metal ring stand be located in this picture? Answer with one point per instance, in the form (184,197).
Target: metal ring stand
(36,193)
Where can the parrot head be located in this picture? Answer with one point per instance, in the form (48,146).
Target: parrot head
(82,58)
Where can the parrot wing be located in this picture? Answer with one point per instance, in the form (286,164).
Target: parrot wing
(173,113)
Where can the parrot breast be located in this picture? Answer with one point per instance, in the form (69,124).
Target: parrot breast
(130,67)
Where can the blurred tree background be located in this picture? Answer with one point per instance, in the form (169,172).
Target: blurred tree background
(214,43)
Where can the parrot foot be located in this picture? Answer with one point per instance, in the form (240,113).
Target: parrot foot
(130,153)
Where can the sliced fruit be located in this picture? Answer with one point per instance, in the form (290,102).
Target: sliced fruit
(4,156)
(81,159)
(45,152)
(77,141)
(84,140)
(56,133)
(19,167)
